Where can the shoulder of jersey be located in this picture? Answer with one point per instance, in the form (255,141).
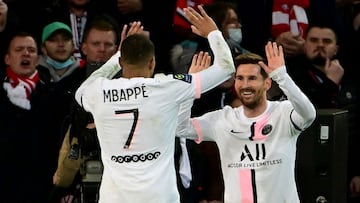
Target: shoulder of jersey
(178,76)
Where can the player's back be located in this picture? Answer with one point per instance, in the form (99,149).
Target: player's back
(136,121)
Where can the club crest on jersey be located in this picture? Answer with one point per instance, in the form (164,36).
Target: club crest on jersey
(183,77)
(266,129)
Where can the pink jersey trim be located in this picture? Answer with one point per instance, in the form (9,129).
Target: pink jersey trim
(245,183)
(259,125)
(197,79)
(198,131)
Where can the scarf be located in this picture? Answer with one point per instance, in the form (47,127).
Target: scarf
(19,88)
(289,16)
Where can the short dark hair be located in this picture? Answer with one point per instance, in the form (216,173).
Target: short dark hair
(137,49)
(103,22)
(251,58)
(21,34)
(324,25)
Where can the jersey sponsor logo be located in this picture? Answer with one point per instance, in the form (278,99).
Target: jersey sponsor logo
(256,164)
(254,156)
(183,77)
(257,152)
(136,157)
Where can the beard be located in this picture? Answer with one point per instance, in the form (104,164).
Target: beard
(319,60)
(254,102)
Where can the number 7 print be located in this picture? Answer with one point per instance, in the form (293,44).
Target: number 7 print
(131,133)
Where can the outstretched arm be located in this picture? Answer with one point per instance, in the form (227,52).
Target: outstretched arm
(200,61)
(223,66)
(305,112)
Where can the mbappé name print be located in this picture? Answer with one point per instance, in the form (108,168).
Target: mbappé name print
(118,95)
(254,155)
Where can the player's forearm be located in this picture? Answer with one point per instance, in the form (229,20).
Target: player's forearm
(221,50)
(301,103)
(108,70)
(184,127)
(223,67)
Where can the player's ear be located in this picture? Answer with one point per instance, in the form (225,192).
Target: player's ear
(120,62)
(152,63)
(268,83)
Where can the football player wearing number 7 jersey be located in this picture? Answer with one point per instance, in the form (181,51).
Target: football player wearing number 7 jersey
(136,116)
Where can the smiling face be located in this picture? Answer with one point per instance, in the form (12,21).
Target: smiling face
(251,86)
(22,55)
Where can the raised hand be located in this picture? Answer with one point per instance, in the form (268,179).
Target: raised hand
(202,24)
(200,62)
(275,57)
(333,70)
(292,45)
(135,28)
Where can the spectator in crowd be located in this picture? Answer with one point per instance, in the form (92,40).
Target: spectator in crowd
(64,71)
(318,72)
(61,67)
(57,56)
(75,14)
(257,141)
(258,25)
(139,69)
(30,141)
(101,41)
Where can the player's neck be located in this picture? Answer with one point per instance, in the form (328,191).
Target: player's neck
(255,111)
(143,73)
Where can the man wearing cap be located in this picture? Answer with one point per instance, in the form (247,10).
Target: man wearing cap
(57,53)
(64,71)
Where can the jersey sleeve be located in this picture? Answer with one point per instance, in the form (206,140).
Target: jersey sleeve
(199,128)
(223,67)
(108,70)
(304,111)
(184,127)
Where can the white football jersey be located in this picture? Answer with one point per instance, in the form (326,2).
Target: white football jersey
(258,154)
(136,121)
